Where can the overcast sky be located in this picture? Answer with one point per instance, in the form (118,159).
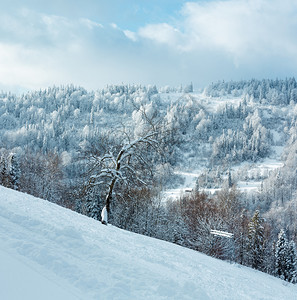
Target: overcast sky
(92,43)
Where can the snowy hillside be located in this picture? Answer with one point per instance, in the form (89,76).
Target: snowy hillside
(48,252)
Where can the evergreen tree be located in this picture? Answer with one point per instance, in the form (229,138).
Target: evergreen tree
(241,239)
(285,258)
(5,176)
(14,171)
(256,241)
(281,250)
(292,262)
(189,88)
(91,202)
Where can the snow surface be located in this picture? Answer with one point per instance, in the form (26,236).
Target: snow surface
(188,185)
(49,252)
(262,168)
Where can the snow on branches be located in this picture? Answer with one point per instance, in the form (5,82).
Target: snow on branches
(106,170)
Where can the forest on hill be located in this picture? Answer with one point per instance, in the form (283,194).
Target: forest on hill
(67,145)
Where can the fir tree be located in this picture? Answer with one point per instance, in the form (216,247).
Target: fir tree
(5,176)
(14,171)
(281,250)
(241,239)
(256,241)
(92,208)
(291,262)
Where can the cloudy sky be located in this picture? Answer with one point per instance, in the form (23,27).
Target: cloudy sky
(92,43)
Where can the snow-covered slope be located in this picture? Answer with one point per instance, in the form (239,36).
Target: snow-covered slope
(48,252)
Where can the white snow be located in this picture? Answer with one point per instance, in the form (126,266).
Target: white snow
(104,217)
(48,252)
(262,169)
(249,186)
(22,279)
(221,233)
(188,185)
(213,104)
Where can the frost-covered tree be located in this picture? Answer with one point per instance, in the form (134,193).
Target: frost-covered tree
(4,172)
(189,88)
(241,239)
(41,176)
(292,262)
(123,167)
(285,258)
(14,171)
(256,242)
(281,256)
(91,202)
(9,170)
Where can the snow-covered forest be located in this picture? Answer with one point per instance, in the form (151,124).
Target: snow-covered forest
(126,145)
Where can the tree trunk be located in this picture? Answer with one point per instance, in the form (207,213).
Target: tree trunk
(108,201)
(111,186)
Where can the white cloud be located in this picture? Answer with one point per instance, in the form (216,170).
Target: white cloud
(161,33)
(207,41)
(244,29)
(114,26)
(130,35)
(90,24)
(39,50)
(19,66)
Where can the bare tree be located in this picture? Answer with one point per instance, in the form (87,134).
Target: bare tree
(126,167)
